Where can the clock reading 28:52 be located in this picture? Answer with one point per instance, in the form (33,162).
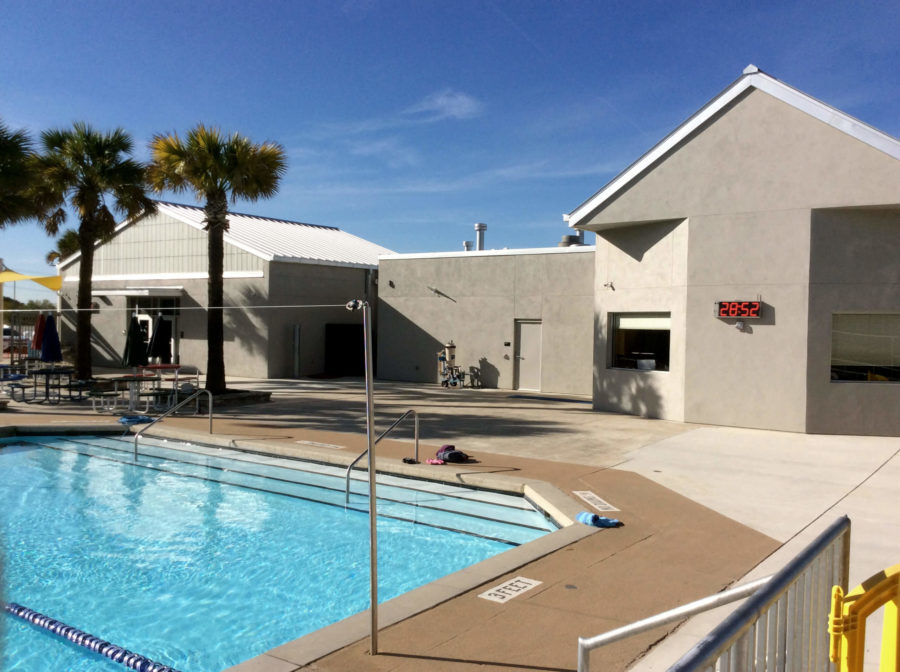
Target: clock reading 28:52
(738,308)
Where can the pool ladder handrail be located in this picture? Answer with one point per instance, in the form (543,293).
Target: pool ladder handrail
(174,408)
(380,437)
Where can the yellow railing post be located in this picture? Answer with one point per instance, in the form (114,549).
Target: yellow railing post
(847,623)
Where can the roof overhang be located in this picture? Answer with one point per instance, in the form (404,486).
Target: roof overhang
(140,291)
(754,78)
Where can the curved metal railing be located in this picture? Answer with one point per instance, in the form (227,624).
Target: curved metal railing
(380,437)
(169,412)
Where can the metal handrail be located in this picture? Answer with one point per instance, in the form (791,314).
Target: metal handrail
(172,410)
(586,645)
(800,588)
(380,437)
(828,556)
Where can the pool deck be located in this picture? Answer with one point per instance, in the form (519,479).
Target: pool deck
(704,507)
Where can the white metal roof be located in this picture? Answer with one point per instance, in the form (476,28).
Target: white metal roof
(752,77)
(278,239)
(283,240)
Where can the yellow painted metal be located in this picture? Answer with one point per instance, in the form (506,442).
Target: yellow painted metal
(847,623)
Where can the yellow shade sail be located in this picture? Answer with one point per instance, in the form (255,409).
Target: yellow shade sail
(53,282)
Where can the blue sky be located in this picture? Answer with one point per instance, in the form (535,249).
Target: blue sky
(406,122)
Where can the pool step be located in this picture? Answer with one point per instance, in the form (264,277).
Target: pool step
(507,518)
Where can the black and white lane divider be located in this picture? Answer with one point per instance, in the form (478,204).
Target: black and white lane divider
(131,660)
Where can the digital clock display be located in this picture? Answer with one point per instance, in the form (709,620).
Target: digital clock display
(745,309)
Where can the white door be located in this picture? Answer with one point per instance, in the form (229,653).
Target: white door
(528,355)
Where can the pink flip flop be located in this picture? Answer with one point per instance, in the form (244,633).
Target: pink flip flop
(434,460)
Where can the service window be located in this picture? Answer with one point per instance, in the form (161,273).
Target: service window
(640,341)
(865,347)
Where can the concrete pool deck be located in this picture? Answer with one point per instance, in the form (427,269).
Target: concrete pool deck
(702,506)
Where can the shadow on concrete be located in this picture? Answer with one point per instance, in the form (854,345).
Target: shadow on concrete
(443,414)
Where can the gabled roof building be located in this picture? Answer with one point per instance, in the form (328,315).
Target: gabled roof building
(748,269)
(286,284)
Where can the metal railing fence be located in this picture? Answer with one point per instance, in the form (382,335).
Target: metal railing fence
(783,626)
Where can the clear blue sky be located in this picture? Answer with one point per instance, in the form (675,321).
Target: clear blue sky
(406,122)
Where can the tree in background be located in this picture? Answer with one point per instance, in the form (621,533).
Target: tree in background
(216,167)
(92,173)
(66,245)
(16,177)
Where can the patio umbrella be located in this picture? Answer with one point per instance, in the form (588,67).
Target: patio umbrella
(37,338)
(160,345)
(50,347)
(135,350)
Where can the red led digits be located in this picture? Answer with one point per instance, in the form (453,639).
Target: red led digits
(745,309)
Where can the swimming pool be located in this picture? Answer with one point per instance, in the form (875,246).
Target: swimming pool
(168,561)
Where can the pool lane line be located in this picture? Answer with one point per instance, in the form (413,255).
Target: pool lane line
(118,654)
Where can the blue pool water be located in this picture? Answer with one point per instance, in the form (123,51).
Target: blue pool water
(186,570)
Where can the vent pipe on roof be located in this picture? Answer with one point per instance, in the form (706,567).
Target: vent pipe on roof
(572,240)
(467,246)
(480,228)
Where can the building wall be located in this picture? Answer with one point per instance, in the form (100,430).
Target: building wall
(641,269)
(755,377)
(294,285)
(758,155)
(744,189)
(854,268)
(160,251)
(478,298)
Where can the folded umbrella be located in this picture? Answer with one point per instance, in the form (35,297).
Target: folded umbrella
(51,351)
(37,338)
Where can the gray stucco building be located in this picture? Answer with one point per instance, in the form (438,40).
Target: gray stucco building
(765,197)
(520,319)
(286,284)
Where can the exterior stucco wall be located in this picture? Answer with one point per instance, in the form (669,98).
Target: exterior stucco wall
(755,377)
(294,285)
(481,295)
(757,155)
(747,188)
(641,269)
(855,268)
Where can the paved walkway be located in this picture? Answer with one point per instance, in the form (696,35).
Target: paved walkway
(702,506)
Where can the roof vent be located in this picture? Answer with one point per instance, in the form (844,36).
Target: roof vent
(751,69)
(480,228)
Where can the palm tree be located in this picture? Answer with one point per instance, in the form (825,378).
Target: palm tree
(215,167)
(16,175)
(66,245)
(83,169)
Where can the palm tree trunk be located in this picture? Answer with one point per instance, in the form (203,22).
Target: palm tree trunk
(216,217)
(83,370)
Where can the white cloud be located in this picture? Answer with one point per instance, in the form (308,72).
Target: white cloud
(435,107)
(445,104)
